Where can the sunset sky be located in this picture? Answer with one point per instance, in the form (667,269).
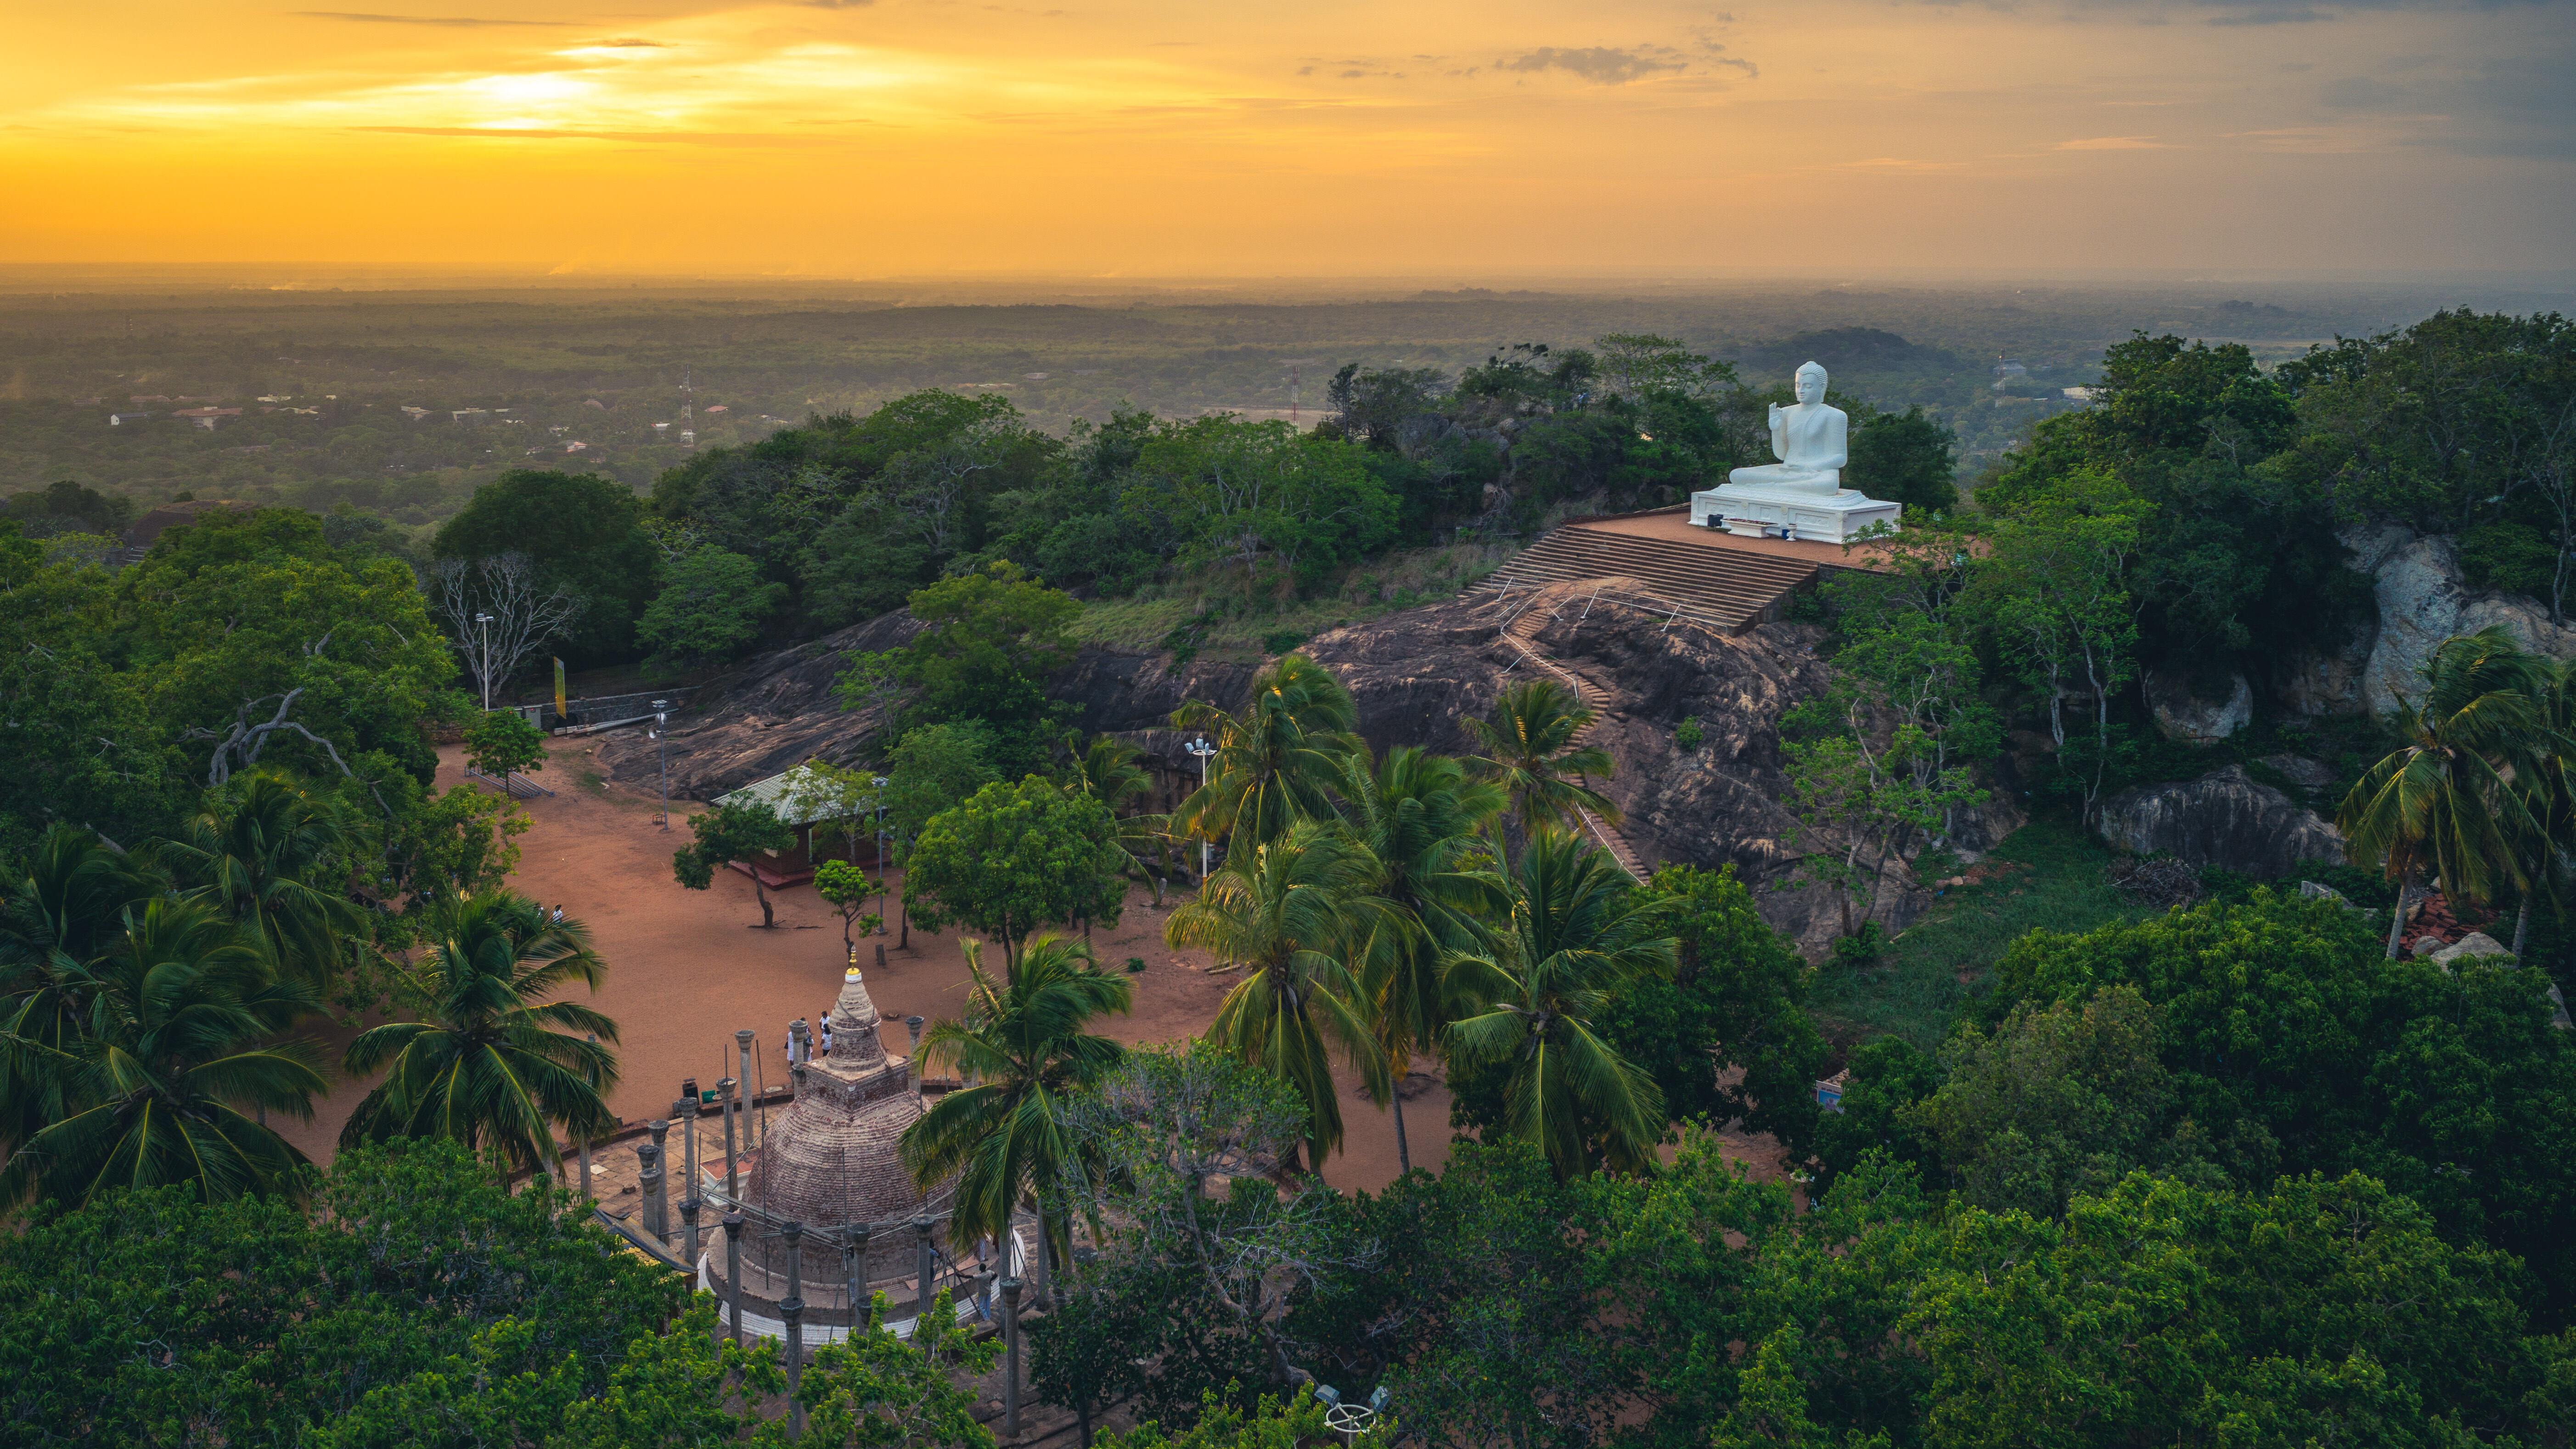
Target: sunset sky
(1150,138)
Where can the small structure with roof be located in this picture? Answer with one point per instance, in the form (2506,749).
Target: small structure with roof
(813,806)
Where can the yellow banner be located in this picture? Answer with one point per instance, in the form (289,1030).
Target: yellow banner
(560,709)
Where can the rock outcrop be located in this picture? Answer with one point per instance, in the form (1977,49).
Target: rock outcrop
(2186,714)
(2223,819)
(2420,601)
(770,714)
(1416,677)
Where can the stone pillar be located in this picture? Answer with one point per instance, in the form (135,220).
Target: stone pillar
(742,1044)
(733,1173)
(854,1272)
(733,1271)
(800,1043)
(1046,1279)
(656,1223)
(796,1082)
(880,955)
(689,1123)
(924,1262)
(1010,1357)
(685,1112)
(791,1311)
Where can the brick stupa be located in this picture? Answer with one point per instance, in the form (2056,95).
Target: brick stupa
(832,1160)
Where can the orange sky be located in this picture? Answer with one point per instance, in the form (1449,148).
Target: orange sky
(1337,137)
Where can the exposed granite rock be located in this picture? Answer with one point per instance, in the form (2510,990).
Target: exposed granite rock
(1416,676)
(2422,602)
(2183,714)
(2306,773)
(2223,819)
(769,714)
(2475,943)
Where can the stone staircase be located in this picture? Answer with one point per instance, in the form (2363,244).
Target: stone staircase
(1729,588)
(1520,634)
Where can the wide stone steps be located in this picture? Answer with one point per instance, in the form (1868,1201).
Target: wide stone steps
(1521,634)
(1729,588)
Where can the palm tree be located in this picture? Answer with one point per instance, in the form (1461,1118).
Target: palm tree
(487,1067)
(1419,815)
(2454,795)
(1106,770)
(2551,798)
(263,855)
(1581,932)
(178,1038)
(1530,752)
(57,926)
(1277,760)
(1022,1042)
(1298,914)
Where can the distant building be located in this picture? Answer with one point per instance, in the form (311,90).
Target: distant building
(592,402)
(207,417)
(415,414)
(118,420)
(139,399)
(471,415)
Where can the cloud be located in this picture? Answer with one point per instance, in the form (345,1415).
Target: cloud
(629,42)
(839,4)
(1594,63)
(2361,93)
(2113,143)
(451,21)
(535,133)
(2274,17)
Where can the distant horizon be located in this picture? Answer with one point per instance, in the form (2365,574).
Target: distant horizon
(1350,138)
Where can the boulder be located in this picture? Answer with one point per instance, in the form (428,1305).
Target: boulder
(2422,602)
(2475,943)
(2184,714)
(2223,819)
(2316,684)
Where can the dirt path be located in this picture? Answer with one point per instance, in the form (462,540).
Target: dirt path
(686,968)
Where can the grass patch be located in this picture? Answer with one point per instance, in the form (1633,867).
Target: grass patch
(1209,615)
(2048,875)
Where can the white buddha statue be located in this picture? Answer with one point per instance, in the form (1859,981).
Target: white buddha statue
(1802,496)
(1812,442)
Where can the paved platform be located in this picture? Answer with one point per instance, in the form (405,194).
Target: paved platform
(1702,573)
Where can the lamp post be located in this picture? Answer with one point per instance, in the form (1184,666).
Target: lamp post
(1201,748)
(880,782)
(662,733)
(483,624)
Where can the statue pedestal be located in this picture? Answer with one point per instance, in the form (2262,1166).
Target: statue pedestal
(1750,511)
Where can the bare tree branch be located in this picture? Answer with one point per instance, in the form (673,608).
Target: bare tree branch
(463,592)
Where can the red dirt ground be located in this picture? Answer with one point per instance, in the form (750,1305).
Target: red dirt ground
(686,968)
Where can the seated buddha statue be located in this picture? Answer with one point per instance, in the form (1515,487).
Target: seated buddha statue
(1812,442)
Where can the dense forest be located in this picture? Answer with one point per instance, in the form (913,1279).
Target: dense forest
(323,376)
(2248,1170)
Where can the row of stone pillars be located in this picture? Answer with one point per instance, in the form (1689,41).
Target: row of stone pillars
(791,1309)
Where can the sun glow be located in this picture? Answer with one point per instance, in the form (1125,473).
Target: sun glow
(1352,137)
